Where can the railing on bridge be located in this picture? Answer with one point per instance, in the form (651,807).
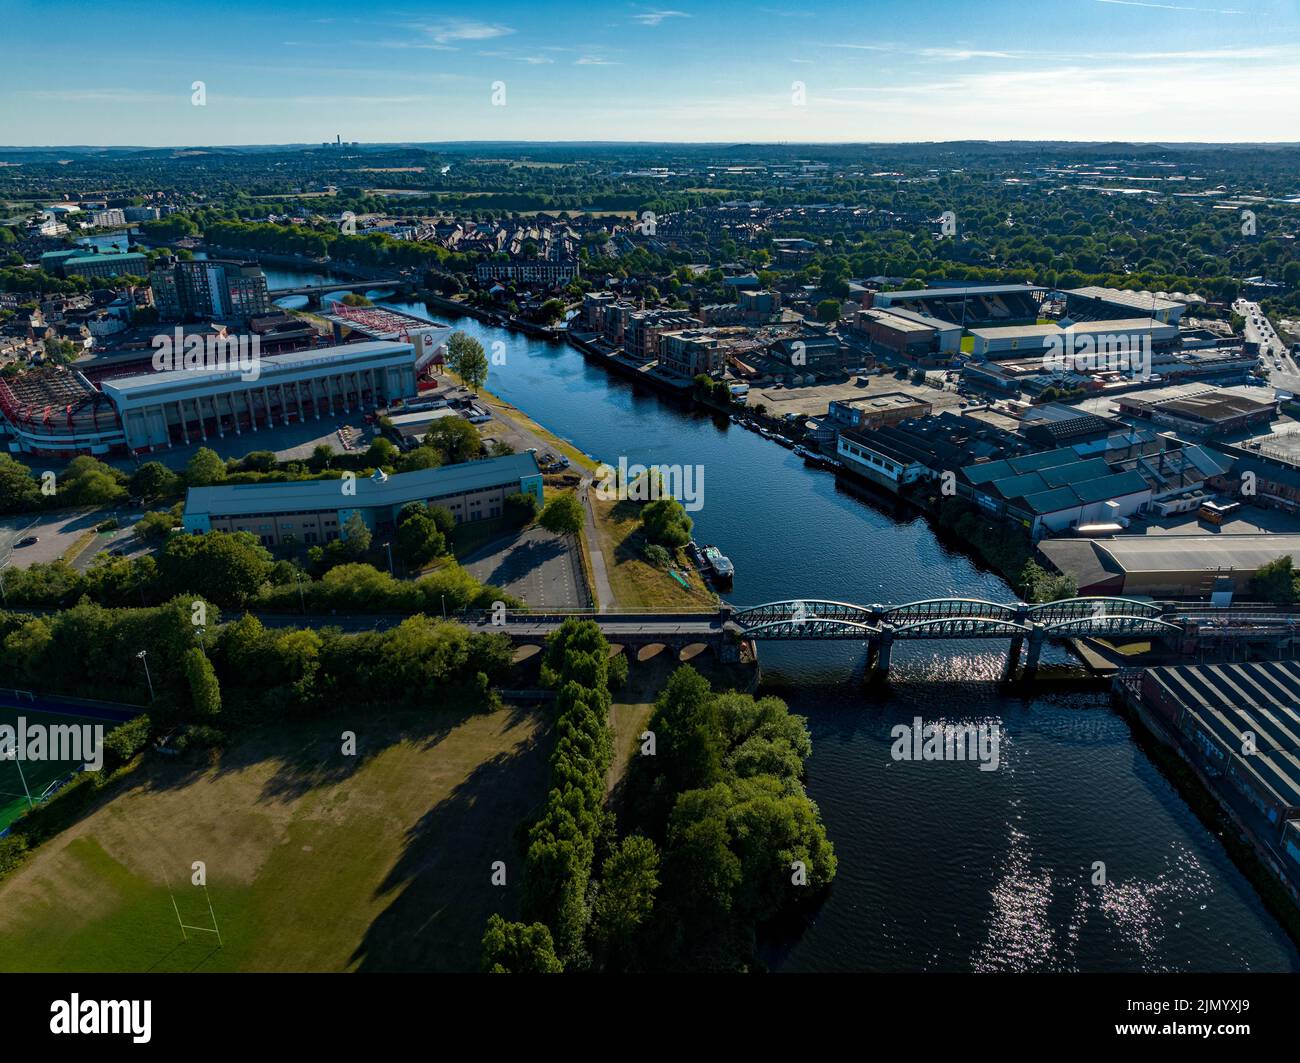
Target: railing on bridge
(879,626)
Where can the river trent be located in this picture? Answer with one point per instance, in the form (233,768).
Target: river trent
(941,866)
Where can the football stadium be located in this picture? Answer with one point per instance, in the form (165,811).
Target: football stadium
(59,412)
(969,306)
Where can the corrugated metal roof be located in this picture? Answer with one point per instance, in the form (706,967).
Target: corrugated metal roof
(1262,698)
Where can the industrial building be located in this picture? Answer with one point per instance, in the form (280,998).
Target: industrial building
(1167,566)
(876,411)
(892,455)
(317,511)
(911,336)
(82,263)
(1055,490)
(1239,724)
(1202,410)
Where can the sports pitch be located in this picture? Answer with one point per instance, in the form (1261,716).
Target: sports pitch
(38,775)
(314,861)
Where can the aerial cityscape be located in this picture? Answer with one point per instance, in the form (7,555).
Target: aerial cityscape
(532,490)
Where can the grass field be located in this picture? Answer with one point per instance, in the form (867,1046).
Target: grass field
(635,582)
(38,774)
(315,861)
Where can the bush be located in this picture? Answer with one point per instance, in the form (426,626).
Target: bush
(563,515)
(125,741)
(658,556)
(665,522)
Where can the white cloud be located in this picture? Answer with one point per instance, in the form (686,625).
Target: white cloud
(1172,7)
(459,29)
(653,18)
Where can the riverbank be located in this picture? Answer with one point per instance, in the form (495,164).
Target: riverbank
(998,887)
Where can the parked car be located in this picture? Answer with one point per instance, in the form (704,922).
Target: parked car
(28,540)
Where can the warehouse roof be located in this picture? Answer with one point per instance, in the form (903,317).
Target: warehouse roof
(1262,698)
(1198,553)
(307,496)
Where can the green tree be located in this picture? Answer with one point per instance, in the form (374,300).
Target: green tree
(520,509)
(356,536)
(1276,582)
(205,691)
(624,898)
(455,439)
(422,457)
(204,468)
(418,539)
(1039,585)
(518,948)
(467,359)
(828,310)
(550,311)
(563,515)
(19,493)
(666,523)
(226,568)
(155,525)
(381,452)
(89,482)
(154,480)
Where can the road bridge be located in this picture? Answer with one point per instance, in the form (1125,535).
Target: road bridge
(315,292)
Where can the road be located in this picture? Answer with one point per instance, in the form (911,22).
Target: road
(1272,351)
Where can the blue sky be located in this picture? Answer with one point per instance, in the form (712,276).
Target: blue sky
(111,72)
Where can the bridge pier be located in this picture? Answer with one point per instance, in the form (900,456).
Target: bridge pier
(879,649)
(1013,654)
(1037,636)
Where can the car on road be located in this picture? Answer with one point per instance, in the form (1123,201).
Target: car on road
(28,540)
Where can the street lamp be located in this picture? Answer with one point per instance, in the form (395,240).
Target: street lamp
(199,634)
(389,548)
(143,655)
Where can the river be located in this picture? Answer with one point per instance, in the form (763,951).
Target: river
(941,866)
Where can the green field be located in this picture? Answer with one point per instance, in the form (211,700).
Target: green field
(38,774)
(315,861)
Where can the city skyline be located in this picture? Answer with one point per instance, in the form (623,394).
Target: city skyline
(1078,70)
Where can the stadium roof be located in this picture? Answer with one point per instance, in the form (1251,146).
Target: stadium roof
(306,496)
(133,386)
(962,293)
(1128,324)
(1149,301)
